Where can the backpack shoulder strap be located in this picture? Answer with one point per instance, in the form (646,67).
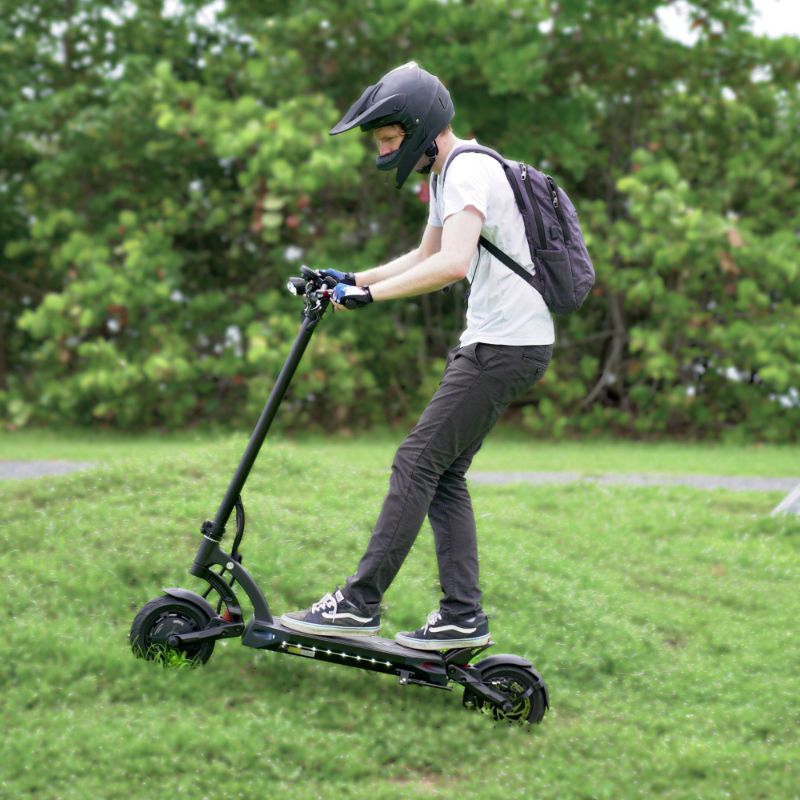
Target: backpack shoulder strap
(507,169)
(472,148)
(500,255)
(534,280)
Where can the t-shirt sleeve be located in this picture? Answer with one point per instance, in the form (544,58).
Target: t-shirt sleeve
(467,184)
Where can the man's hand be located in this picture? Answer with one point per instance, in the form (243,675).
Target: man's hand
(348,278)
(350,297)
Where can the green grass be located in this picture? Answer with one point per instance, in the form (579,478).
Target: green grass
(664,621)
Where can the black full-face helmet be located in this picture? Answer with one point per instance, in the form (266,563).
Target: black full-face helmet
(407,96)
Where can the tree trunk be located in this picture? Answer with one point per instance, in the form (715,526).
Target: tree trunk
(3,320)
(612,368)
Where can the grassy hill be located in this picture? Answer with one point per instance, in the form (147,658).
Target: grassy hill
(664,621)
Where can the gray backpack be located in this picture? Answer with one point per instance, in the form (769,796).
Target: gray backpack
(563,272)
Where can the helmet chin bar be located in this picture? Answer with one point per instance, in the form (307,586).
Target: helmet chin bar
(387,162)
(391,161)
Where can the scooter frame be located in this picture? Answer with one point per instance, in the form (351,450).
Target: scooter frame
(435,669)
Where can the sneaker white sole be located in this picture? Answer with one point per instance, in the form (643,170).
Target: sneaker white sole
(440,644)
(326,630)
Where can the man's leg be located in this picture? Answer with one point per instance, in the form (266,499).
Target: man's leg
(456,539)
(450,513)
(478,384)
(456,416)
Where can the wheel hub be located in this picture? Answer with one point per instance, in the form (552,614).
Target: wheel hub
(520,700)
(169,624)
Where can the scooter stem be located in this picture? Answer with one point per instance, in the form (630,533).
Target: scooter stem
(310,319)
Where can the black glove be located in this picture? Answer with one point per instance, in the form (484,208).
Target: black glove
(348,278)
(351,296)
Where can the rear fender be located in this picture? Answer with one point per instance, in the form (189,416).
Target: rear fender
(515,661)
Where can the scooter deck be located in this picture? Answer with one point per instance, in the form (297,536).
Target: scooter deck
(375,653)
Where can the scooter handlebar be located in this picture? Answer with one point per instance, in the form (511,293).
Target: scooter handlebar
(311,284)
(308,273)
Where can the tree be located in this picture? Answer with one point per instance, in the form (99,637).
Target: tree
(163,172)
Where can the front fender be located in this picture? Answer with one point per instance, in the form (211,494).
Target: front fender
(193,597)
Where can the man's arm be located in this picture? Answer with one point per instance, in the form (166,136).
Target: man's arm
(459,240)
(430,244)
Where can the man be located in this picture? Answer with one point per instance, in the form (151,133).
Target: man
(505,348)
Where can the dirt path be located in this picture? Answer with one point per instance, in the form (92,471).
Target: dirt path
(40,469)
(734,483)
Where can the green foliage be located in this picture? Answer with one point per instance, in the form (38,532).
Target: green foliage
(182,199)
(163,171)
(709,303)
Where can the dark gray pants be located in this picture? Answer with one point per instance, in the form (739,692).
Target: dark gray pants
(428,474)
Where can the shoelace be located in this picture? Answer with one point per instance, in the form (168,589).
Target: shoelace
(326,601)
(433,618)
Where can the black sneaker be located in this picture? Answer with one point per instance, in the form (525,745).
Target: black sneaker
(447,633)
(333,615)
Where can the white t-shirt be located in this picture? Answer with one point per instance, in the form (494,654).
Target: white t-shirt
(502,308)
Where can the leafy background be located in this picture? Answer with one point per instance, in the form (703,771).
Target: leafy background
(164,166)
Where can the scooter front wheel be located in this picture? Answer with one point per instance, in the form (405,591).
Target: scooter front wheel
(161,618)
(516,684)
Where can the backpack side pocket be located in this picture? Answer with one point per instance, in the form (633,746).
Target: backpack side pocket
(559,287)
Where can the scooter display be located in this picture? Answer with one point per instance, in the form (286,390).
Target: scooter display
(185,623)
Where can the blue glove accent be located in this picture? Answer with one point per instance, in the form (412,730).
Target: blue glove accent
(347,278)
(351,296)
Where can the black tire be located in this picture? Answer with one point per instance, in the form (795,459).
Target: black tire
(158,620)
(517,684)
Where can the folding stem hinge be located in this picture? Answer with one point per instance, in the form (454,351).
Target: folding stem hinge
(207,527)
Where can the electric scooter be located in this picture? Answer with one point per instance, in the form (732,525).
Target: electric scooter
(184,623)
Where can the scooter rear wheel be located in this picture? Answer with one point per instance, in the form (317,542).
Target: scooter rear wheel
(158,620)
(516,684)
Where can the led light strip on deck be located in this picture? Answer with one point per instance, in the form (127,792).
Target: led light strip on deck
(311,652)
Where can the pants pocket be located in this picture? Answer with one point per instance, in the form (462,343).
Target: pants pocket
(538,353)
(485,354)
